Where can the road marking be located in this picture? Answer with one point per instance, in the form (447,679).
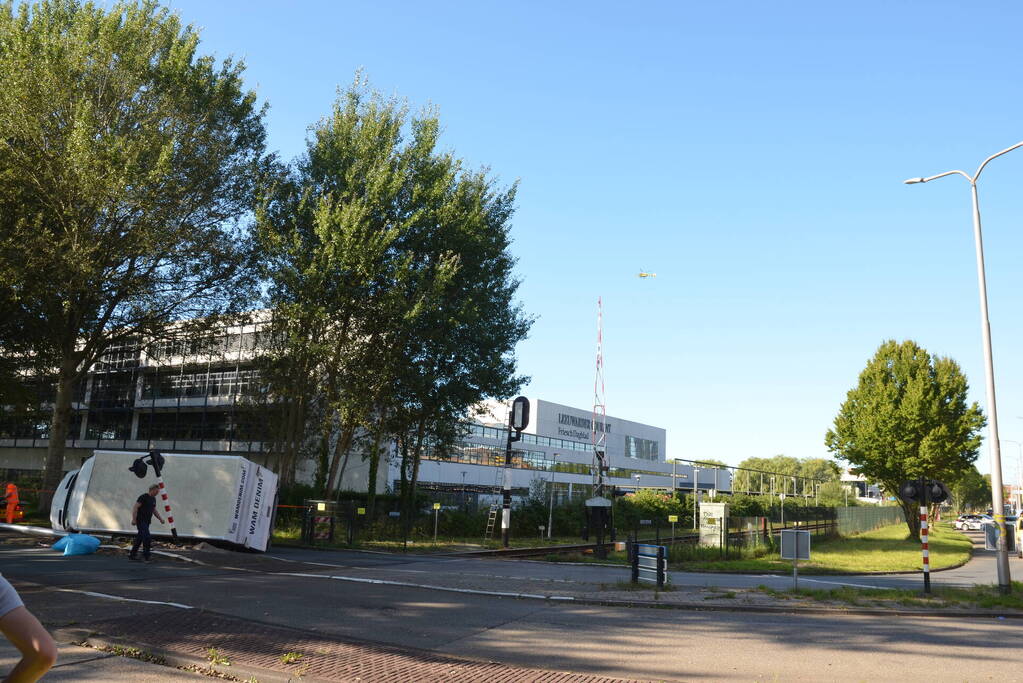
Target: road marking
(840,583)
(384,582)
(107,596)
(421,571)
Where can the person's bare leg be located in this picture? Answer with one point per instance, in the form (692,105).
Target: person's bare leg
(38,651)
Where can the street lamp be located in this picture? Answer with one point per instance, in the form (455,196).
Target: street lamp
(550,513)
(997,502)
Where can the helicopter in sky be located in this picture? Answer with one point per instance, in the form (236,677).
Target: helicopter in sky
(643,273)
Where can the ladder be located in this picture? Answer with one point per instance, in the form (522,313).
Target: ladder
(491,521)
(494,509)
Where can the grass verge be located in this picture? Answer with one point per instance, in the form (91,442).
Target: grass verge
(984,597)
(888,549)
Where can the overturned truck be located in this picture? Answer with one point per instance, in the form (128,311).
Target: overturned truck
(222,498)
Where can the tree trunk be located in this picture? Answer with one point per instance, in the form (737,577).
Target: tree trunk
(374,464)
(912,512)
(323,457)
(59,426)
(412,462)
(341,448)
(403,485)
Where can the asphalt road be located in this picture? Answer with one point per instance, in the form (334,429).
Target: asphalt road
(631,643)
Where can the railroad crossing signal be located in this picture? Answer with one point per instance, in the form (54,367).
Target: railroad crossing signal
(916,489)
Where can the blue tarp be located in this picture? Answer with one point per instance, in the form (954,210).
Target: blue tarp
(77,544)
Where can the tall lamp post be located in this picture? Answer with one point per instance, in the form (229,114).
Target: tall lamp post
(997,502)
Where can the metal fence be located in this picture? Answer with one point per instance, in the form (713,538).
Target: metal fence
(854,520)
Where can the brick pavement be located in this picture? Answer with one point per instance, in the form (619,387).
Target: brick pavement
(262,646)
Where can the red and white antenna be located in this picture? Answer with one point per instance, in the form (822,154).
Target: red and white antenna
(598,425)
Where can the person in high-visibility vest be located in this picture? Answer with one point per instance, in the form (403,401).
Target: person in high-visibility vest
(11,496)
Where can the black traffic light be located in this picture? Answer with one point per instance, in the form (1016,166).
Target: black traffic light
(156,460)
(937,492)
(914,490)
(139,468)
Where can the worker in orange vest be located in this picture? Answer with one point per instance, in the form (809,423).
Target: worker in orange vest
(11,496)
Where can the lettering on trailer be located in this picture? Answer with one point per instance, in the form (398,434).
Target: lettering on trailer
(238,501)
(257,499)
(584,423)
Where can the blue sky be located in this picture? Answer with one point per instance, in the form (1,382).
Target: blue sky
(751,154)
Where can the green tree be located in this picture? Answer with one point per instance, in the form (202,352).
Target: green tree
(971,491)
(710,462)
(127,162)
(391,279)
(908,417)
(783,474)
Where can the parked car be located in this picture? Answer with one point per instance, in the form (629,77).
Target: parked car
(971,522)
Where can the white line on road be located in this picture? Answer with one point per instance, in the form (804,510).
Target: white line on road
(423,571)
(107,596)
(406,584)
(834,583)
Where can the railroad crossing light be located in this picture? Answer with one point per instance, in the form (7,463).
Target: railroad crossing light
(909,490)
(156,459)
(139,468)
(936,491)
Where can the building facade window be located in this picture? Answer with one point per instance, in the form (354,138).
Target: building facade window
(641,449)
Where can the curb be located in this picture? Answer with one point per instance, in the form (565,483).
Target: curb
(176,659)
(766,609)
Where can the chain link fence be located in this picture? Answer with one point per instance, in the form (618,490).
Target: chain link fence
(856,520)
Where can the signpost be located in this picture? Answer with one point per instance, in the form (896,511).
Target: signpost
(672,519)
(650,564)
(795,546)
(518,419)
(436,514)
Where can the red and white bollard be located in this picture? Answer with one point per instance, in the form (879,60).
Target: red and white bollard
(926,552)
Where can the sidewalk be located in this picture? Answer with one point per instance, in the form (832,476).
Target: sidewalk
(273,654)
(87,664)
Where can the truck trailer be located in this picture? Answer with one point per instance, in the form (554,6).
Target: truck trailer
(220,498)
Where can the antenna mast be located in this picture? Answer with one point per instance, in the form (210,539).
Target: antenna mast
(598,429)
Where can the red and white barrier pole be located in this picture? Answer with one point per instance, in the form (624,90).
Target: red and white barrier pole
(923,544)
(166,505)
